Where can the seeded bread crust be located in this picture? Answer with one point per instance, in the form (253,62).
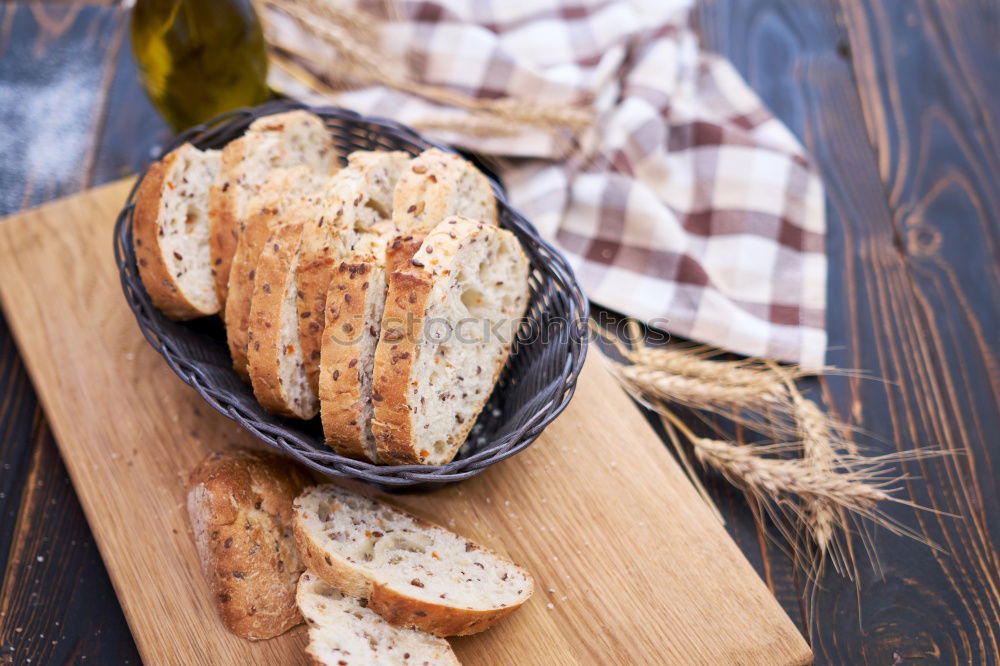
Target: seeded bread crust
(160,283)
(265,347)
(407,300)
(222,215)
(352,220)
(234,185)
(403,326)
(396,606)
(340,381)
(265,215)
(343,395)
(240,506)
(437,185)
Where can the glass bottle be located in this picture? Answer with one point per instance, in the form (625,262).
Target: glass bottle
(199,58)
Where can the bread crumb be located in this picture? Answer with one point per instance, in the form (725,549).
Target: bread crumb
(549,605)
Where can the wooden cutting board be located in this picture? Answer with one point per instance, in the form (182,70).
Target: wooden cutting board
(630,566)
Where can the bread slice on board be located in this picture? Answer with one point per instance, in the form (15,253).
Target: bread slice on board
(437,185)
(354,305)
(170,231)
(352,220)
(281,140)
(283,190)
(343,632)
(411,572)
(240,507)
(274,354)
(450,319)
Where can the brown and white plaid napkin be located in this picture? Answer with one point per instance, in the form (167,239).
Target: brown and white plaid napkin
(685,203)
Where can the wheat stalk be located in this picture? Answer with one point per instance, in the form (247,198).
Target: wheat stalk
(819,451)
(819,481)
(697,392)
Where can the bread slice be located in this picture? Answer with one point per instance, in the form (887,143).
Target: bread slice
(353,220)
(284,189)
(170,229)
(240,507)
(437,185)
(450,319)
(343,632)
(274,354)
(281,140)
(354,306)
(412,573)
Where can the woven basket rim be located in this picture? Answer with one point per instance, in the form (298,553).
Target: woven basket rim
(555,395)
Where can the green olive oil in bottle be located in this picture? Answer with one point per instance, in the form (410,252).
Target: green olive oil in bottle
(199,58)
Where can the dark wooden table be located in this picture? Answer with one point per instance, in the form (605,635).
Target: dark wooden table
(899,103)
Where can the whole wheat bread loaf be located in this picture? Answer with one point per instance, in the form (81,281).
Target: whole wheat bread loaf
(240,506)
(344,632)
(411,572)
(449,321)
(171,233)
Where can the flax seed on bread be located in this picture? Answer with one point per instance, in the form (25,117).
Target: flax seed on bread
(344,632)
(354,306)
(240,506)
(283,190)
(274,353)
(281,140)
(353,220)
(411,572)
(171,233)
(437,185)
(450,319)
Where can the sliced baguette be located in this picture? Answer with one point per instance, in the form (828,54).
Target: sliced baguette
(274,355)
(343,632)
(284,189)
(240,507)
(278,141)
(171,233)
(353,220)
(354,306)
(412,573)
(437,185)
(450,319)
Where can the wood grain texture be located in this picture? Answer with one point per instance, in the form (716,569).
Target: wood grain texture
(54,578)
(63,608)
(897,102)
(630,565)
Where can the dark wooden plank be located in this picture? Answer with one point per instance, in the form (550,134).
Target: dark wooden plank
(57,604)
(898,103)
(929,81)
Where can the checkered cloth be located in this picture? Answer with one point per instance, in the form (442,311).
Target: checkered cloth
(685,204)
